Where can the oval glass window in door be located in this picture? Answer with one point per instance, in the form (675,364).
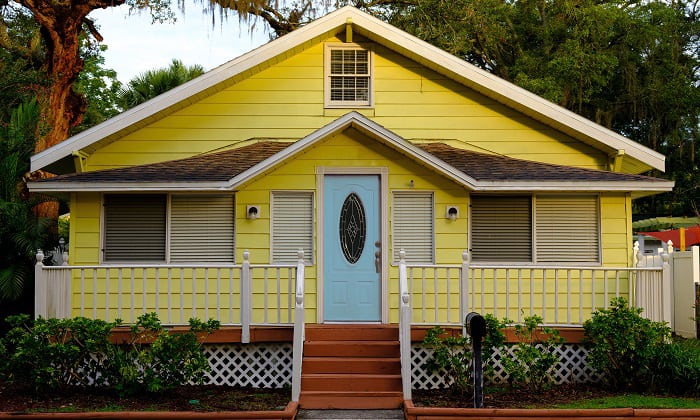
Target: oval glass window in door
(353,228)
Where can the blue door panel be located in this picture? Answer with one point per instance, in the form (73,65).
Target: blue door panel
(352,285)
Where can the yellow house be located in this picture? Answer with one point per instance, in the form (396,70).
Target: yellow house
(351,141)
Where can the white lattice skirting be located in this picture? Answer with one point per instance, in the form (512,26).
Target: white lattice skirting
(572,367)
(269,365)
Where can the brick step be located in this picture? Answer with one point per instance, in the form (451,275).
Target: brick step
(376,365)
(352,348)
(352,332)
(325,400)
(353,382)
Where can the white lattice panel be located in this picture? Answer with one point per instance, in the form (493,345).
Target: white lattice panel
(266,365)
(572,367)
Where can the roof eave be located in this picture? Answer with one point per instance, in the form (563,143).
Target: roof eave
(67,187)
(643,187)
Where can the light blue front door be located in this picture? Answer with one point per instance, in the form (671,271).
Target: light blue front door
(352,268)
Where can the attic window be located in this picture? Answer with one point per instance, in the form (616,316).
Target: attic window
(348,76)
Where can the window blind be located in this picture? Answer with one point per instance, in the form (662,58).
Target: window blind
(413,226)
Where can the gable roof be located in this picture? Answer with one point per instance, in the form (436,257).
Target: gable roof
(438,60)
(228,170)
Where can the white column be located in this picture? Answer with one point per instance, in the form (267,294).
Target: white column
(464,289)
(246,298)
(404,327)
(40,286)
(299,329)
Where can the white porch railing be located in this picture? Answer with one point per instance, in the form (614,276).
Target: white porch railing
(245,294)
(561,295)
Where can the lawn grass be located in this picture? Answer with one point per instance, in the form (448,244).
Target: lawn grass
(633,401)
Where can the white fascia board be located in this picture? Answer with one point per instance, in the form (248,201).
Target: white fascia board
(55,187)
(574,186)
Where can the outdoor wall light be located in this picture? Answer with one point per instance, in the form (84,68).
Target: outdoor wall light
(411,184)
(452,212)
(252,212)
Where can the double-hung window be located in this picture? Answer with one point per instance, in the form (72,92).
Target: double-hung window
(348,76)
(162,228)
(543,229)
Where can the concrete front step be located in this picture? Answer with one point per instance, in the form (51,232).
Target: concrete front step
(327,400)
(375,365)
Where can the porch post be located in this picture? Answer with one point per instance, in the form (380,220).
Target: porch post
(464,287)
(299,329)
(40,286)
(246,298)
(404,327)
(667,290)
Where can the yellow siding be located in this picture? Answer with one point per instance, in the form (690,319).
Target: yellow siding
(286,101)
(436,299)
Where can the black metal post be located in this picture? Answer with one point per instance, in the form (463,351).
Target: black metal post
(476,328)
(478,373)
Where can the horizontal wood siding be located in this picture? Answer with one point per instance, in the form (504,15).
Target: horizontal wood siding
(285,101)
(354,149)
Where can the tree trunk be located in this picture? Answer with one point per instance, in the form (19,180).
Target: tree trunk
(61,23)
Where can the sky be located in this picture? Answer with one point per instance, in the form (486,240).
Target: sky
(136,46)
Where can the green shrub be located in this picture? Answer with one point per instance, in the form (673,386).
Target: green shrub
(533,355)
(49,354)
(623,345)
(56,353)
(675,368)
(452,356)
(156,360)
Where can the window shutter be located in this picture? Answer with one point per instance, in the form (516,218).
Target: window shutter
(501,228)
(413,226)
(292,226)
(567,229)
(201,228)
(134,227)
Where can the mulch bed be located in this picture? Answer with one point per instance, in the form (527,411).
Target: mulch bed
(185,398)
(509,398)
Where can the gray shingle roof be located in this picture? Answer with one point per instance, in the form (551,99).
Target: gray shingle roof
(222,166)
(487,167)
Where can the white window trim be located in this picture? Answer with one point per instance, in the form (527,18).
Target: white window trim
(308,257)
(327,102)
(534,263)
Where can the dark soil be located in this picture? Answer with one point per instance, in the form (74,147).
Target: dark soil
(222,398)
(509,398)
(186,398)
